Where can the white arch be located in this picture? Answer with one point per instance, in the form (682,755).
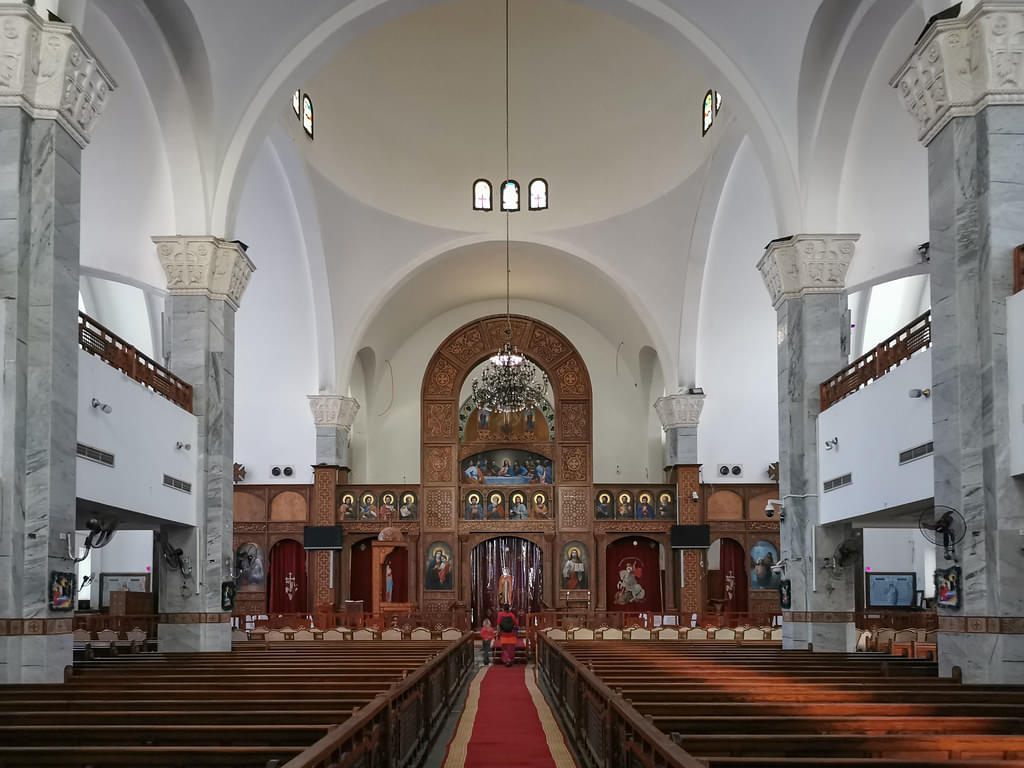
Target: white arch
(349,22)
(414,266)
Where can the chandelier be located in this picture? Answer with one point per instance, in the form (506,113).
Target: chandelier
(510,383)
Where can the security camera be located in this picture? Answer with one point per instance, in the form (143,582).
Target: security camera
(779,567)
(769,510)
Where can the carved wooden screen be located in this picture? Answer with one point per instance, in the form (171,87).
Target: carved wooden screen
(570,502)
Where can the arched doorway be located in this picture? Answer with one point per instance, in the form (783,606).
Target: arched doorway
(727,576)
(505,568)
(634,574)
(287,577)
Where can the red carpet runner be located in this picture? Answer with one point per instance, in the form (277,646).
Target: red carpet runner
(507,722)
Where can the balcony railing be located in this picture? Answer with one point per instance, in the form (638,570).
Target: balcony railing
(912,337)
(118,353)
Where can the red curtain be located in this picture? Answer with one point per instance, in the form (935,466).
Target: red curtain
(633,575)
(513,564)
(287,577)
(399,574)
(733,579)
(360,585)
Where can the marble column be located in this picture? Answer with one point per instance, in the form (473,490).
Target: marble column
(332,417)
(805,276)
(206,277)
(680,416)
(964,85)
(52,90)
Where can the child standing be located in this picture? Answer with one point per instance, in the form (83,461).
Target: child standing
(487,636)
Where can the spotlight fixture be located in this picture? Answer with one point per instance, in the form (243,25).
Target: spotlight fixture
(832,444)
(915,393)
(183,446)
(694,497)
(102,406)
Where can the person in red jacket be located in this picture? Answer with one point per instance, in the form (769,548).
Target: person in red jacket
(507,634)
(487,636)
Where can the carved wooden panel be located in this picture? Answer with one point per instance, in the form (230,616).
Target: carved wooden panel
(571,378)
(574,421)
(289,505)
(250,506)
(574,507)
(470,449)
(250,527)
(439,507)
(725,505)
(467,346)
(496,332)
(439,421)
(521,527)
(545,347)
(441,379)
(611,527)
(324,484)
(437,464)
(574,464)
(288,527)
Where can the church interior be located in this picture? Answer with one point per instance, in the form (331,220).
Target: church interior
(680,409)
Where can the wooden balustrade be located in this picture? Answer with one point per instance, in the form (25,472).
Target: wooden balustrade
(97,622)
(328,619)
(118,353)
(393,728)
(912,337)
(603,726)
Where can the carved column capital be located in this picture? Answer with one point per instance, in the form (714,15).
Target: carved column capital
(962,65)
(801,264)
(203,265)
(47,69)
(679,410)
(335,411)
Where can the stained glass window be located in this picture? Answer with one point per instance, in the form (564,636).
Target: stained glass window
(510,195)
(709,112)
(482,195)
(296,99)
(538,195)
(307,115)
(718,101)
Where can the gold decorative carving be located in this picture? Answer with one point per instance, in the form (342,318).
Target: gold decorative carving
(369,526)
(574,507)
(438,461)
(574,421)
(440,421)
(574,464)
(440,507)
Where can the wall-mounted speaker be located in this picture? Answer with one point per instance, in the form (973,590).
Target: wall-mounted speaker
(730,470)
(282,470)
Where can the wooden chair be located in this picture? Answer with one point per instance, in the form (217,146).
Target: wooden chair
(303,634)
(239,636)
(365,633)
(863,639)
(581,633)
(753,635)
(883,639)
(334,634)
(420,633)
(666,633)
(638,633)
(725,633)
(555,633)
(451,633)
(697,633)
(609,633)
(776,634)
(391,634)
(273,635)
(136,639)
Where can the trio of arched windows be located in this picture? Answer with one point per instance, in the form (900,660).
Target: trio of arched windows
(537,195)
(712,104)
(302,106)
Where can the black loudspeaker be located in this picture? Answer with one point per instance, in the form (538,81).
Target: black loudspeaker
(321,537)
(690,536)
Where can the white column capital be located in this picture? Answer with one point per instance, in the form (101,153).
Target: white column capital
(679,410)
(47,69)
(800,264)
(962,65)
(203,265)
(335,411)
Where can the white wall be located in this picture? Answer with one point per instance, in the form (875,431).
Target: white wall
(622,440)
(873,426)
(141,431)
(900,549)
(736,344)
(1015,360)
(275,337)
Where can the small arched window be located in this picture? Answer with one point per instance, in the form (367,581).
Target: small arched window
(709,112)
(510,195)
(718,101)
(307,115)
(297,103)
(538,191)
(482,195)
